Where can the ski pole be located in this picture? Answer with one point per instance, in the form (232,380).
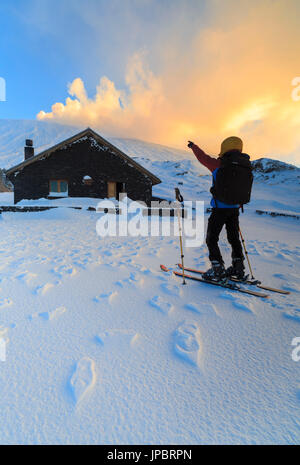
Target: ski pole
(179,198)
(246,253)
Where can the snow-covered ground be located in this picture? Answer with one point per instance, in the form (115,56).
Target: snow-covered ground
(102,347)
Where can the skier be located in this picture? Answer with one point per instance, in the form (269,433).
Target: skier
(231,183)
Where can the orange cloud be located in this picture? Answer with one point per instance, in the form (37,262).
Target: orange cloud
(112,110)
(233,77)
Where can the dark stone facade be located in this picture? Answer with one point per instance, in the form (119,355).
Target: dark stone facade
(74,161)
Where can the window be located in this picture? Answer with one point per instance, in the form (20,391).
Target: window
(87,181)
(58,188)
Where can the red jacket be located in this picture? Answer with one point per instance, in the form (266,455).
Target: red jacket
(209,162)
(212,164)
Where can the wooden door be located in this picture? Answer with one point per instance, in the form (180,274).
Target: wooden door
(111,189)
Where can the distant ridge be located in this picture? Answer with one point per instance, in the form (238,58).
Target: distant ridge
(45,134)
(173,166)
(275,171)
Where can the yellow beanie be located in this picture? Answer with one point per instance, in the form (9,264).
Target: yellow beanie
(231,143)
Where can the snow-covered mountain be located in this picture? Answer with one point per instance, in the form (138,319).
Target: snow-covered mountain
(176,168)
(14,132)
(275,171)
(169,164)
(45,134)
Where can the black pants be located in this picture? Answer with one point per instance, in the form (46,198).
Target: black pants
(216,221)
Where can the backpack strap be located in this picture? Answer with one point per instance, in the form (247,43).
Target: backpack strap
(216,202)
(212,191)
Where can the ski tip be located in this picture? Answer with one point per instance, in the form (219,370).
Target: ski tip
(164,268)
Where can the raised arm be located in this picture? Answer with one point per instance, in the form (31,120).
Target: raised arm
(209,162)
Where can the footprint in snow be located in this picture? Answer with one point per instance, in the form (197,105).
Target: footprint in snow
(283,256)
(108,253)
(293,315)
(5,302)
(171,289)
(26,277)
(144,270)
(134,276)
(194,307)
(287,251)
(124,262)
(133,279)
(83,379)
(53,313)
(123,338)
(280,275)
(43,289)
(187,342)
(247,306)
(65,270)
(162,305)
(115,245)
(275,304)
(291,287)
(202,308)
(238,302)
(106,296)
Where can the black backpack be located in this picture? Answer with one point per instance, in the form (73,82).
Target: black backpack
(234,178)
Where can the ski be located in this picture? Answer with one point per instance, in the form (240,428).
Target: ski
(248,281)
(225,285)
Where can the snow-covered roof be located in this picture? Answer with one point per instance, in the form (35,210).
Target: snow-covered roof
(97,141)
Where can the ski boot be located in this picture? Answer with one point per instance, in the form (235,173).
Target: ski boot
(237,270)
(216,272)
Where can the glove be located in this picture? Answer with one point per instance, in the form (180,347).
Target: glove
(190,144)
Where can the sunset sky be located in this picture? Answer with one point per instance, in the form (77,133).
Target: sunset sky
(163,71)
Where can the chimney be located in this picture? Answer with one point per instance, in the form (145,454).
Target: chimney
(28,149)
